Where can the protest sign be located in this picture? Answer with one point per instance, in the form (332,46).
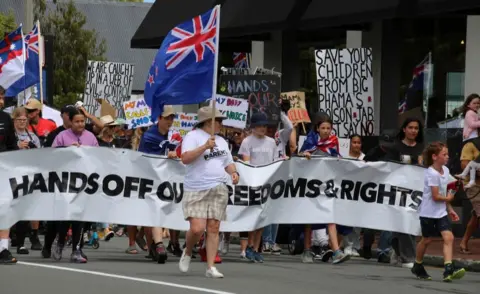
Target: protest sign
(184,122)
(236,111)
(261,91)
(345,89)
(137,113)
(111,81)
(383,196)
(298,110)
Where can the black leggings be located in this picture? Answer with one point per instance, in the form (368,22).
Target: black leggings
(61,228)
(21,231)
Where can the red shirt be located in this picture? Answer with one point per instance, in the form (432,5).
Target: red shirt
(43,127)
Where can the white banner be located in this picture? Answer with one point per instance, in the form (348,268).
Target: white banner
(127,187)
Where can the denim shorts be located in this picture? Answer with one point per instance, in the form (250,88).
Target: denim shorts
(432,227)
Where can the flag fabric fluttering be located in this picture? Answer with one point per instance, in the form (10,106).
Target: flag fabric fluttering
(32,64)
(12,58)
(417,83)
(240,60)
(184,69)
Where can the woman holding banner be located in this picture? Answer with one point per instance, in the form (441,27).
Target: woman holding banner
(207,157)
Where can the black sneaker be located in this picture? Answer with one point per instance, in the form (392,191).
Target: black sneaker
(383,258)
(7,258)
(46,253)
(177,251)
(36,245)
(22,250)
(419,271)
(452,273)
(366,252)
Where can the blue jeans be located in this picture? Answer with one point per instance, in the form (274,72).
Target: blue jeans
(269,235)
(384,243)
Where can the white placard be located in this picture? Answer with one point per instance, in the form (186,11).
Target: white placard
(235,109)
(111,81)
(109,185)
(345,89)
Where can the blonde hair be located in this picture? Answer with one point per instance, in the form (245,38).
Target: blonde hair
(137,136)
(19,111)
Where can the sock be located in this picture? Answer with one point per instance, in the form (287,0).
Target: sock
(418,262)
(159,243)
(447,263)
(3,244)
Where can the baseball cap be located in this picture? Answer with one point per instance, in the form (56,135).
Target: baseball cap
(388,137)
(67,108)
(168,110)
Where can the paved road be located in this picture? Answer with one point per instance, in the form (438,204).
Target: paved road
(110,270)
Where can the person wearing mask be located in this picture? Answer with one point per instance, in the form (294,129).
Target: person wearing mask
(208,165)
(77,136)
(471,123)
(159,140)
(8,142)
(36,124)
(258,149)
(321,141)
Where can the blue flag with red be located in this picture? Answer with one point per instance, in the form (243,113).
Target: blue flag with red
(184,68)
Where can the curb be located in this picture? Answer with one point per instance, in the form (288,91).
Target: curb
(430,260)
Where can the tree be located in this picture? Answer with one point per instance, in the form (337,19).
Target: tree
(73,46)
(7,23)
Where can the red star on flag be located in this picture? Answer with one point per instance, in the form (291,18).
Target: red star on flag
(150,80)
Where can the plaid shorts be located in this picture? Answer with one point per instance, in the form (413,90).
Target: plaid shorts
(206,204)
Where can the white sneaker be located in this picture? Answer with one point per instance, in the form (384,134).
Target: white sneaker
(355,253)
(243,255)
(184,263)
(348,250)
(469,185)
(407,265)
(226,248)
(221,244)
(393,258)
(213,273)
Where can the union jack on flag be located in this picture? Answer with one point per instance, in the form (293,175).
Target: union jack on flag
(240,60)
(184,70)
(200,39)
(31,42)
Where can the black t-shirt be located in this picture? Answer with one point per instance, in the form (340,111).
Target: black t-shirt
(51,137)
(406,154)
(114,144)
(8,141)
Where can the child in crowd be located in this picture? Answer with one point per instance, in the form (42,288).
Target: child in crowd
(434,211)
(471,171)
(321,141)
(257,149)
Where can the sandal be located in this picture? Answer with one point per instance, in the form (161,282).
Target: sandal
(131,250)
(465,251)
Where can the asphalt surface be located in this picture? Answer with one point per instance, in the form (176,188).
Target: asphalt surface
(110,270)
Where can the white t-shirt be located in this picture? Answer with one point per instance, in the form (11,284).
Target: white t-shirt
(261,151)
(208,170)
(361,157)
(429,207)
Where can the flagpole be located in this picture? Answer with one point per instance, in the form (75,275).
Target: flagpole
(40,60)
(215,69)
(428,78)
(19,103)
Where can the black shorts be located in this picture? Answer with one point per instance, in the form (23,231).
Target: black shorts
(432,227)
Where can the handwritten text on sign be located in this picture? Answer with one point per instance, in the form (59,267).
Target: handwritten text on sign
(234,109)
(298,111)
(184,122)
(137,113)
(345,89)
(107,80)
(262,93)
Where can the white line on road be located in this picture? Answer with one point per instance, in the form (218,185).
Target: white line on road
(101,274)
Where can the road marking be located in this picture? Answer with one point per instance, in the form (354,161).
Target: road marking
(101,274)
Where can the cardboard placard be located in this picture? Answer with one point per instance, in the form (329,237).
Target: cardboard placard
(184,122)
(137,113)
(298,110)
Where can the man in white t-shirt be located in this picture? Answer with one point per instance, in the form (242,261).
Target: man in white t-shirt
(257,149)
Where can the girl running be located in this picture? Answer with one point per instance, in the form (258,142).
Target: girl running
(433,212)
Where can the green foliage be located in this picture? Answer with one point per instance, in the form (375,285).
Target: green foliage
(73,46)
(7,23)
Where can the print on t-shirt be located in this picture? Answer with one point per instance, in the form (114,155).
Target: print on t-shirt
(215,153)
